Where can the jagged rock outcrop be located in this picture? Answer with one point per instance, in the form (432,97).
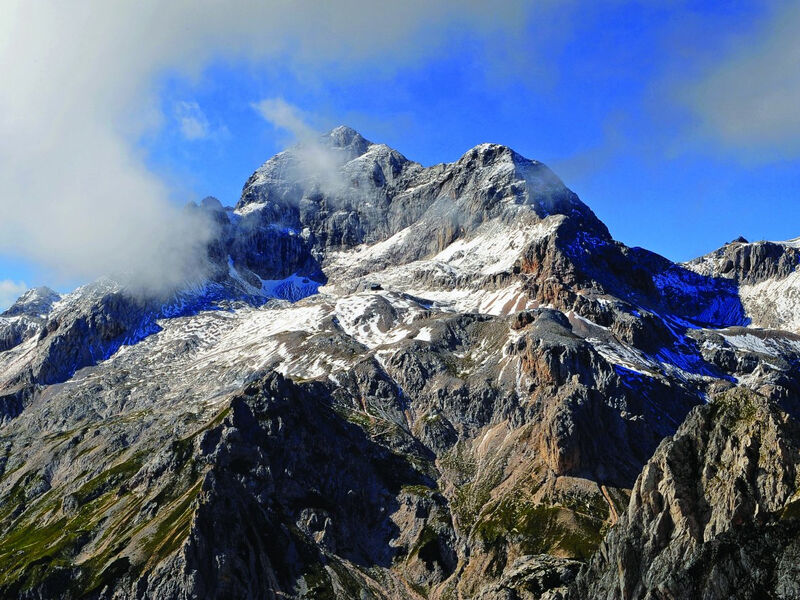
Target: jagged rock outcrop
(254,504)
(713,514)
(322,499)
(750,262)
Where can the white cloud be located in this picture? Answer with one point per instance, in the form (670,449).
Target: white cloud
(79,82)
(192,121)
(10,291)
(315,160)
(282,115)
(194,125)
(748,102)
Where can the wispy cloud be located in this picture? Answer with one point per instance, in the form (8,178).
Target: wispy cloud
(194,125)
(314,159)
(192,121)
(747,103)
(10,291)
(282,115)
(76,196)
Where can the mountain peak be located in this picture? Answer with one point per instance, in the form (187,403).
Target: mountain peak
(486,181)
(347,137)
(537,185)
(488,153)
(491,150)
(35,301)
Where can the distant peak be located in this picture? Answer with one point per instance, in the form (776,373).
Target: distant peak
(346,137)
(35,301)
(488,153)
(212,204)
(490,147)
(343,130)
(39,292)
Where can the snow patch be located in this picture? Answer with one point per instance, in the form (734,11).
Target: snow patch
(774,303)
(424,334)
(292,288)
(248,208)
(496,247)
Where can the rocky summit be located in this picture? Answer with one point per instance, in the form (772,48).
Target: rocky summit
(405,382)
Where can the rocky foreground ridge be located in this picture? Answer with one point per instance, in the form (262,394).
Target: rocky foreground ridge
(398,381)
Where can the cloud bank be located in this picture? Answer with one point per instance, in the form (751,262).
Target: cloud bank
(747,103)
(282,115)
(79,89)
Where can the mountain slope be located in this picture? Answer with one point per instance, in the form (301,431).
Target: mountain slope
(396,381)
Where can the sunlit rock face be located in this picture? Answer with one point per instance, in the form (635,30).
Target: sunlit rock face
(396,381)
(713,514)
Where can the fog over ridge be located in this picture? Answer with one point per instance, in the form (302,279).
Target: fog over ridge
(76,195)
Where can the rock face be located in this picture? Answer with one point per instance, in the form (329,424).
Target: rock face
(24,318)
(713,514)
(750,263)
(322,500)
(396,381)
(767,275)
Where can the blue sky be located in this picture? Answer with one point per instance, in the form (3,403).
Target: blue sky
(674,121)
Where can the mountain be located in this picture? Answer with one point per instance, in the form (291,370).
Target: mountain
(767,276)
(396,381)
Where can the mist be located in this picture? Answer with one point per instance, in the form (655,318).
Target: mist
(315,160)
(80,89)
(747,101)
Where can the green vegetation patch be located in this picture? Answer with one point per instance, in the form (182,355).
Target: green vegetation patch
(419,490)
(109,479)
(791,510)
(332,582)
(469,500)
(35,547)
(540,529)
(44,543)
(739,403)
(459,461)
(174,527)
(591,505)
